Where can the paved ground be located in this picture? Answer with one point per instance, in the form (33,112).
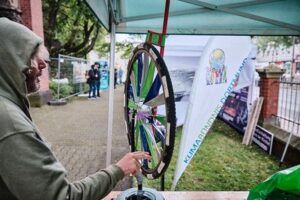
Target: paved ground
(78,133)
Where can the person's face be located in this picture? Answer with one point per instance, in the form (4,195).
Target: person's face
(38,63)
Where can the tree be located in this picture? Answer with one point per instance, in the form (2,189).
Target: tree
(70,28)
(127,46)
(274,42)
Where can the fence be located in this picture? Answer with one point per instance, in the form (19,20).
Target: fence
(67,76)
(288,114)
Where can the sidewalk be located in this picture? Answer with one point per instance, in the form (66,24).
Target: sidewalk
(78,133)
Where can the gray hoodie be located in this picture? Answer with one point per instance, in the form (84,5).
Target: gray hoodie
(28,168)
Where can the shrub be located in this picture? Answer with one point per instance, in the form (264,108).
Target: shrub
(64,90)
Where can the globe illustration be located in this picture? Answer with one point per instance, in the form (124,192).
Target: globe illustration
(217,58)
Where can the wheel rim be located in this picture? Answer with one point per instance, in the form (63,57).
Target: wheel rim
(150,109)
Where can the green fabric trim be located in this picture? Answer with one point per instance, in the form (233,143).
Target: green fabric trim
(155,39)
(150,145)
(132,105)
(137,134)
(162,119)
(147,82)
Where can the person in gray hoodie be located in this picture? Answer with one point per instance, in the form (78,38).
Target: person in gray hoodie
(28,168)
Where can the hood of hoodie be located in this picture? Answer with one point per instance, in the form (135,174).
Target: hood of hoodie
(17,45)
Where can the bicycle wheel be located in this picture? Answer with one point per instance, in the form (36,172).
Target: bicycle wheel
(150,109)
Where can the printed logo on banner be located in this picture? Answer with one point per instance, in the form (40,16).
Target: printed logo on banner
(216,72)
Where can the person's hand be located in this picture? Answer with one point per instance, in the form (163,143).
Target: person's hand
(130,163)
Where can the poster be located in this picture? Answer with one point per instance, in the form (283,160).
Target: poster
(104,79)
(235,111)
(263,139)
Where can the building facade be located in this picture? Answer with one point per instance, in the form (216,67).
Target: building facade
(286,58)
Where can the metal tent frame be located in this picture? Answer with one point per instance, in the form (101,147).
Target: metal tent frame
(206,17)
(193,17)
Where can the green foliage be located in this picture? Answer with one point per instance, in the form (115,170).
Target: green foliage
(102,46)
(85,88)
(64,90)
(221,164)
(263,42)
(127,46)
(70,27)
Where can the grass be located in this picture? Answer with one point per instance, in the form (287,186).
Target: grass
(222,163)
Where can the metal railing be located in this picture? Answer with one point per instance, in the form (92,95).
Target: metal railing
(67,76)
(288,114)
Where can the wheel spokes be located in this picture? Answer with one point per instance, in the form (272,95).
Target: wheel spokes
(144,144)
(158,133)
(135,75)
(148,79)
(137,134)
(154,90)
(147,95)
(150,134)
(162,119)
(132,105)
(145,71)
(132,87)
(145,140)
(156,101)
(139,73)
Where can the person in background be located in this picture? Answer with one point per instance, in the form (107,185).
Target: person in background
(28,167)
(97,73)
(115,77)
(92,82)
(120,75)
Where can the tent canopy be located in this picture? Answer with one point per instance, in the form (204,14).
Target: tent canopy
(201,17)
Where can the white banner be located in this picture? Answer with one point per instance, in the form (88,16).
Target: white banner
(246,77)
(222,61)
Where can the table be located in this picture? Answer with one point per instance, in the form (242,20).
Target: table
(219,195)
